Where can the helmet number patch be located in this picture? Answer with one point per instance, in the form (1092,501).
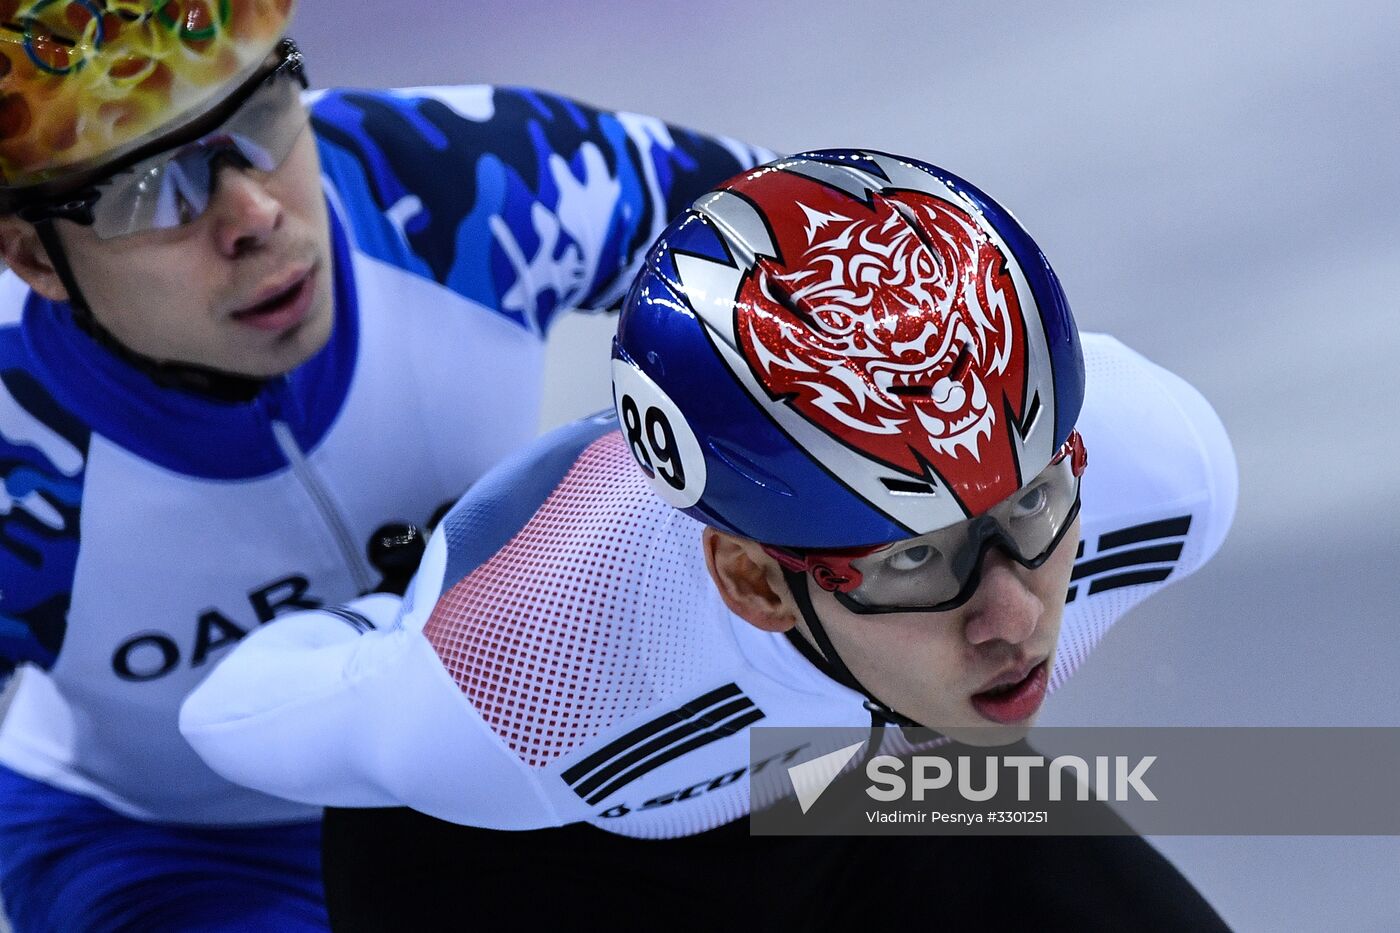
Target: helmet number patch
(661,441)
(658,436)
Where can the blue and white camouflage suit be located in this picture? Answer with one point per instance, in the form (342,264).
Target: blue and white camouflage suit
(143,530)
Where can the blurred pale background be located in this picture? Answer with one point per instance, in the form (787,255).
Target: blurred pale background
(1217,184)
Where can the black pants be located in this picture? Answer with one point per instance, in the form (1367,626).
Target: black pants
(394,869)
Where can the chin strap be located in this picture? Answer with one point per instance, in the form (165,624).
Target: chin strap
(201,380)
(826,659)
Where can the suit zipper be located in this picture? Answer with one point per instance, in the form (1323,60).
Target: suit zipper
(349,548)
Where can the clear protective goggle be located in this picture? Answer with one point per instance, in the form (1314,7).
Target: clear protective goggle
(255,128)
(940,570)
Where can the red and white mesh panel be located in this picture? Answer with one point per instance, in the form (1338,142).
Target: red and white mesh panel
(565,632)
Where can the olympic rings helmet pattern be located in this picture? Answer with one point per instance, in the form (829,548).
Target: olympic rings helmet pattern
(864,347)
(84,81)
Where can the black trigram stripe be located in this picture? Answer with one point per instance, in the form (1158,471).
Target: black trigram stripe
(1129,579)
(1100,568)
(1166,528)
(1158,554)
(678,725)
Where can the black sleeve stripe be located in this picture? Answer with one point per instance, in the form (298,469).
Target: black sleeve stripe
(678,715)
(670,737)
(704,738)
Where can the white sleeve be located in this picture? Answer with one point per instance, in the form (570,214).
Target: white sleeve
(278,713)
(1156,446)
(313,709)
(1159,493)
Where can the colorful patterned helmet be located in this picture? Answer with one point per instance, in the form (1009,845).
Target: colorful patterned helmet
(85,82)
(842,349)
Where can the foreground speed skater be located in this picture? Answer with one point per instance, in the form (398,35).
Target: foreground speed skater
(862,467)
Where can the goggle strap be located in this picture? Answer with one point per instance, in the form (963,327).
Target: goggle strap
(214,383)
(827,659)
(58,258)
(824,656)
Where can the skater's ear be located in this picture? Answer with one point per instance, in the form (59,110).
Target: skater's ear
(749,581)
(21,250)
